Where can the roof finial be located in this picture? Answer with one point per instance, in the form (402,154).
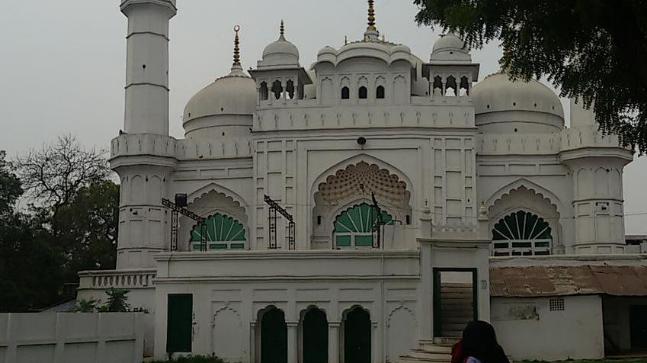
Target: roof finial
(236,46)
(236,68)
(371,15)
(282,30)
(371,33)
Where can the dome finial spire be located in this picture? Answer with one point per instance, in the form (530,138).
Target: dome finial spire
(371,33)
(236,46)
(282,30)
(371,15)
(236,67)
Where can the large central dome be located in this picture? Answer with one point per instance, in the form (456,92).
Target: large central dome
(225,107)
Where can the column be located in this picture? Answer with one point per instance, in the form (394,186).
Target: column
(333,342)
(375,343)
(293,344)
(252,342)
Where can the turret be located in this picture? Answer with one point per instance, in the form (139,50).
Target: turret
(142,156)
(596,162)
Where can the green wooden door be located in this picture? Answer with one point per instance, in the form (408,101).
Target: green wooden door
(179,323)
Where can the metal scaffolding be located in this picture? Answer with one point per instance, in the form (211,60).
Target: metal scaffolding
(272,216)
(175,211)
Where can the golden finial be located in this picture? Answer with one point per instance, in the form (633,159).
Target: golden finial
(237,46)
(282,30)
(371,15)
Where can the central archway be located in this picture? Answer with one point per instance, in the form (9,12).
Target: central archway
(274,337)
(357,336)
(351,190)
(315,336)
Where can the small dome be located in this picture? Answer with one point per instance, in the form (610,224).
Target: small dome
(234,94)
(327,50)
(280,53)
(401,48)
(497,99)
(450,48)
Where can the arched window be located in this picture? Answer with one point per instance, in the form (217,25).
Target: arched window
(277,89)
(289,88)
(521,234)
(464,87)
(362,93)
(356,226)
(438,86)
(450,86)
(263,91)
(345,93)
(379,92)
(222,233)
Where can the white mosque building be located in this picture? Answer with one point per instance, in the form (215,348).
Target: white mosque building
(365,207)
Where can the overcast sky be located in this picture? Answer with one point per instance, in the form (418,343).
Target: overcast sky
(62,64)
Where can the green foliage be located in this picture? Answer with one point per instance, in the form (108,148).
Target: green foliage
(116,301)
(71,225)
(10,189)
(88,228)
(591,49)
(29,265)
(86,306)
(192,359)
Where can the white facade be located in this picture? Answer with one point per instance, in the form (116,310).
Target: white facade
(452,163)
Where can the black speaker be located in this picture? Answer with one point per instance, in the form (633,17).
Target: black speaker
(181,199)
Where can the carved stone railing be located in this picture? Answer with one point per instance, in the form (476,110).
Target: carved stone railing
(143,144)
(166,146)
(364,116)
(544,144)
(122,279)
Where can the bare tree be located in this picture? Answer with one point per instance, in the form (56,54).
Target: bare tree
(54,174)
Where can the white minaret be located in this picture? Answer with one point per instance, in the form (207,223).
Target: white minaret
(143,155)
(147,65)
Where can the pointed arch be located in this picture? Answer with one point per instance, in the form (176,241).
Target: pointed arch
(201,192)
(355,160)
(522,198)
(538,189)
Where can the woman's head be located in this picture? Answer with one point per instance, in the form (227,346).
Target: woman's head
(479,341)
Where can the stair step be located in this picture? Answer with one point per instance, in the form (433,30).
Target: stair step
(429,346)
(407,359)
(423,354)
(446,340)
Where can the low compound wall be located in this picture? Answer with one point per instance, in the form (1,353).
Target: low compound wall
(532,329)
(71,338)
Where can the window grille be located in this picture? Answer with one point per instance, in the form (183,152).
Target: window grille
(556,304)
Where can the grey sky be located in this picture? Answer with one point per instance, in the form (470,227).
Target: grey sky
(62,66)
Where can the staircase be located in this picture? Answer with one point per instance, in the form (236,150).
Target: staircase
(457,309)
(433,351)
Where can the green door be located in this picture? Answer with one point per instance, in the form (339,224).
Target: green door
(179,323)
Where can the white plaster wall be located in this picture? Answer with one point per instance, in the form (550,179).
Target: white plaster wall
(527,330)
(72,337)
(228,302)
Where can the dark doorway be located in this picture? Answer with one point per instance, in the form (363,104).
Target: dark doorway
(638,327)
(274,337)
(315,337)
(455,301)
(179,323)
(357,336)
